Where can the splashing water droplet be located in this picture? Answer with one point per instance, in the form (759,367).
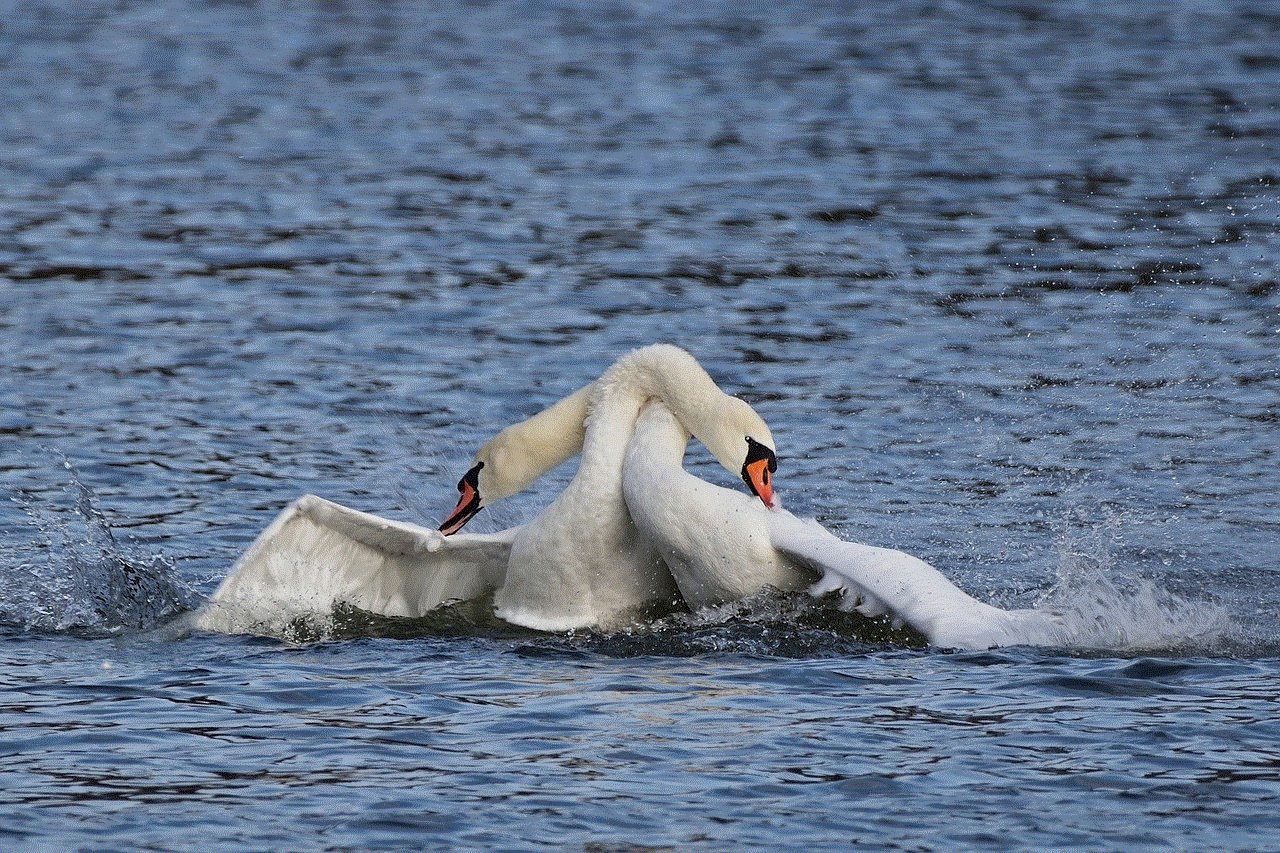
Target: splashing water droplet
(73,574)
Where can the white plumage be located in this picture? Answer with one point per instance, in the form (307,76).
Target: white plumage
(632,527)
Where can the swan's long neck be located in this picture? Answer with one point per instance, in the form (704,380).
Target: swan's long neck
(598,420)
(523,452)
(675,377)
(657,444)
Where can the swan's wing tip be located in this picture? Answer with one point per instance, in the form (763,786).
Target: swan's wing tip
(881,581)
(316,553)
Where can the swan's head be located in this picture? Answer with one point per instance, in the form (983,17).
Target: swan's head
(757,470)
(742,442)
(503,467)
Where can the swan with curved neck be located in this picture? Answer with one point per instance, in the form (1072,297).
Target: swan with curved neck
(721,546)
(716,542)
(632,526)
(519,454)
(581,561)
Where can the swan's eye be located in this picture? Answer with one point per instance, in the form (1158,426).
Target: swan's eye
(757,451)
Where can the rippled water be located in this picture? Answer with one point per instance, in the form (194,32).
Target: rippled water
(1002,277)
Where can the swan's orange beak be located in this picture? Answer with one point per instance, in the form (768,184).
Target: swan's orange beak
(757,471)
(469,502)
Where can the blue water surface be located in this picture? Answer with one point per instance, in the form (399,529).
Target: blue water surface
(1004,279)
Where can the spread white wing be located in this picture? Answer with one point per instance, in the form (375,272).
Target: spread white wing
(317,553)
(881,581)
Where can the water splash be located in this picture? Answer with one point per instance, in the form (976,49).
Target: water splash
(1127,614)
(1107,605)
(73,574)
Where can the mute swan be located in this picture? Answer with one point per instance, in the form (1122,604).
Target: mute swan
(717,544)
(580,562)
(714,541)
(722,546)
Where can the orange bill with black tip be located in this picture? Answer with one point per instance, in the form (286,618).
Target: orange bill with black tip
(469,501)
(757,471)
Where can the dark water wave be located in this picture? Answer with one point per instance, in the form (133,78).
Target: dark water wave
(1013,149)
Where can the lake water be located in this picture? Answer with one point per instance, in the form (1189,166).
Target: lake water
(1004,279)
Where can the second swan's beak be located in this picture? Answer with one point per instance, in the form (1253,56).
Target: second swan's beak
(469,502)
(758,469)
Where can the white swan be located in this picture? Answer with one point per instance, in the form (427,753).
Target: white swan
(580,562)
(632,526)
(716,542)
(722,546)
